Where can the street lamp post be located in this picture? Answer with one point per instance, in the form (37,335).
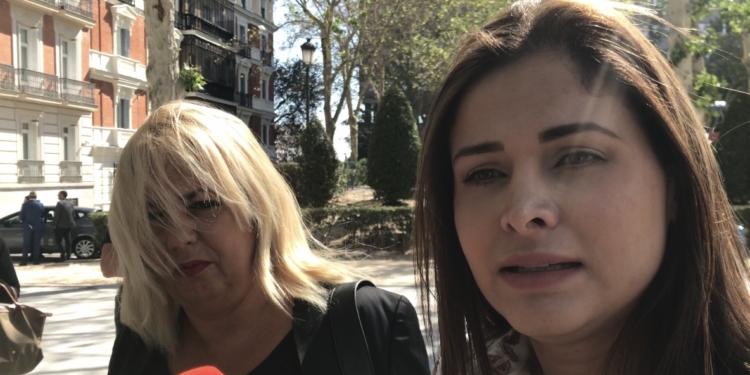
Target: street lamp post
(307,57)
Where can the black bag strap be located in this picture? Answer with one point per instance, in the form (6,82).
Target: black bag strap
(348,334)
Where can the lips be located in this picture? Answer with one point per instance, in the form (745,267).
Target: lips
(193,268)
(538,271)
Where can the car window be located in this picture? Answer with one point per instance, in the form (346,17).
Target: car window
(50,216)
(13,219)
(80,215)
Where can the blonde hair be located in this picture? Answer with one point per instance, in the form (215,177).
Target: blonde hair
(221,154)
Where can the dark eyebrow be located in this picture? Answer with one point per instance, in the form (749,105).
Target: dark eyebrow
(561,131)
(481,148)
(189,196)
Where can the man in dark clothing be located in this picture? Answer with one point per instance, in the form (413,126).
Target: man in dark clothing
(7,275)
(64,222)
(32,217)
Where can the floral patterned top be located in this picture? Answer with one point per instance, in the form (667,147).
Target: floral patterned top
(509,355)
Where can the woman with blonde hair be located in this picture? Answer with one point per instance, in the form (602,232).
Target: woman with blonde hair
(570,214)
(217,267)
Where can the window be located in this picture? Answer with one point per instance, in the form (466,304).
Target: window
(67,143)
(263,89)
(264,134)
(243,4)
(124,42)
(25,142)
(243,34)
(23,41)
(123,114)
(263,42)
(29,140)
(242,84)
(263,8)
(64,58)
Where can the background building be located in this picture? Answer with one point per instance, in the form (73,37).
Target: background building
(72,81)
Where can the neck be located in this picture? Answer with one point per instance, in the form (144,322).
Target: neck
(250,322)
(582,356)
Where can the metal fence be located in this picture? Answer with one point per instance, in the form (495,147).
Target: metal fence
(79,7)
(243,99)
(7,78)
(70,171)
(36,83)
(77,91)
(30,171)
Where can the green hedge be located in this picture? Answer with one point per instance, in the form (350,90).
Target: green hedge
(362,227)
(351,227)
(99,220)
(292,173)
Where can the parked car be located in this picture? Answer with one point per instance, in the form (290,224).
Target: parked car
(11,230)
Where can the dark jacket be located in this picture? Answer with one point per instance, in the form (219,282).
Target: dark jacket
(389,321)
(32,212)
(64,215)
(7,274)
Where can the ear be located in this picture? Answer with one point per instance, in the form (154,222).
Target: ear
(671,201)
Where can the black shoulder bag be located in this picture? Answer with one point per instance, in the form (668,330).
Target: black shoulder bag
(348,334)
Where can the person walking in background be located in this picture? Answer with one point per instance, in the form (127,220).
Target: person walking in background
(63,222)
(32,217)
(8,275)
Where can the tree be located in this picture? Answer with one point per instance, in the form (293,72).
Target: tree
(291,104)
(733,150)
(318,166)
(163,42)
(394,149)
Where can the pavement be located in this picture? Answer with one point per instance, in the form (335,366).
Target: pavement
(78,337)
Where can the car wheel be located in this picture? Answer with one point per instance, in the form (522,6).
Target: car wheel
(84,248)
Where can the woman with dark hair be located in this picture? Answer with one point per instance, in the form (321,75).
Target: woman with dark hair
(589,232)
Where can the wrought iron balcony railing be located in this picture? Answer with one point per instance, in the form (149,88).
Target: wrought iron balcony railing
(266,58)
(30,171)
(8,78)
(36,83)
(79,7)
(245,51)
(192,22)
(70,171)
(77,91)
(243,99)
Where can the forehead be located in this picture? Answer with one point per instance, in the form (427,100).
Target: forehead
(531,95)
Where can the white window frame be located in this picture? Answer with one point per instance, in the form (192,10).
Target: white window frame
(121,50)
(119,113)
(29,147)
(243,34)
(23,46)
(123,17)
(64,59)
(69,143)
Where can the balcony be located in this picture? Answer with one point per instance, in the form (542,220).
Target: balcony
(192,22)
(110,68)
(263,105)
(246,52)
(77,91)
(243,99)
(266,58)
(40,84)
(30,171)
(79,7)
(7,78)
(70,171)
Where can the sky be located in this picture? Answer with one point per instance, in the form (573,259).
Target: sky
(279,40)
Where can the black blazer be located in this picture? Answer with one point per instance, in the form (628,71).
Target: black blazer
(64,215)
(389,320)
(7,274)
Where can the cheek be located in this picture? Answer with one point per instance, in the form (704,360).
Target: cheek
(477,226)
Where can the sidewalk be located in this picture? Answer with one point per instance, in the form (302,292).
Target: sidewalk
(78,337)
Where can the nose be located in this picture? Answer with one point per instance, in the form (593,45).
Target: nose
(530,210)
(181,233)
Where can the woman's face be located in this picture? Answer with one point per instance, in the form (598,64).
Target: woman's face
(561,206)
(213,253)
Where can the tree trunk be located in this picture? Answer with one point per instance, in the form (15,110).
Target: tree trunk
(680,16)
(746,54)
(163,70)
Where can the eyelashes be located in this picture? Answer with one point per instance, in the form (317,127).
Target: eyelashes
(572,160)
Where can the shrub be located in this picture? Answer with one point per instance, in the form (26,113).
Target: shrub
(291,173)
(376,227)
(318,166)
(100,222)
(394,149)
(734,150)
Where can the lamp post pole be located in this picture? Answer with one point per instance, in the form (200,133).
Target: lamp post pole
(307,57)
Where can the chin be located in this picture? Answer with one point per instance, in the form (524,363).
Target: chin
(548,324)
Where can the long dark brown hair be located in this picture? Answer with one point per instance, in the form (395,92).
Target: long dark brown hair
(694,318)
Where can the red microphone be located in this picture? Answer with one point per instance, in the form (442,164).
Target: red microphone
(203,370)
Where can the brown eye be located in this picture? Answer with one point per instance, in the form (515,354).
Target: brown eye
(579,158)
(484,176)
